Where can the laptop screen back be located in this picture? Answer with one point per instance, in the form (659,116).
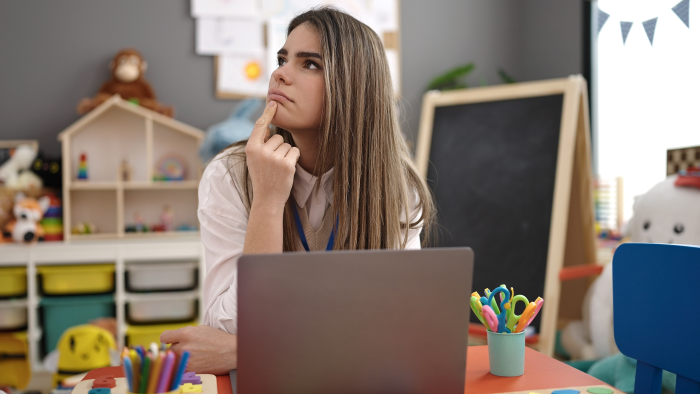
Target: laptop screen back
(354,322)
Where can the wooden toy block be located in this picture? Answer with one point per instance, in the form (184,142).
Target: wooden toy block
(104,382)
(102,390)
(191,377)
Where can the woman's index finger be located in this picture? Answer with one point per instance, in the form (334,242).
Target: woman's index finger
(261,131)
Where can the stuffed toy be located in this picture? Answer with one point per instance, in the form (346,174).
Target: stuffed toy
(127,80)
(15,173)
(237,127)
(668,213)
(25,227)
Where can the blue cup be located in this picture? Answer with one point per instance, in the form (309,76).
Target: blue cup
(506,353)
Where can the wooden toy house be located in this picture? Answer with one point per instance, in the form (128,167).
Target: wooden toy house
(125,169)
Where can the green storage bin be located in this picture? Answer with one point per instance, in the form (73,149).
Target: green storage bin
(61,313)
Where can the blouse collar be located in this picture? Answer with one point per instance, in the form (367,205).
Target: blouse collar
(304,184)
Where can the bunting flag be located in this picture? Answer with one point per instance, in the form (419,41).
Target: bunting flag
(682,9)
(649,28)
(602,17)
(625,27)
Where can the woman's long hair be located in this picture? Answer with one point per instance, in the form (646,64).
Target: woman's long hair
(375,183)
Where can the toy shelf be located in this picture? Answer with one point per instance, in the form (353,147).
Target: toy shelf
(132,155)
(119,252)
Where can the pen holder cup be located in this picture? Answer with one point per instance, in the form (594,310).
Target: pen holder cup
(506,353)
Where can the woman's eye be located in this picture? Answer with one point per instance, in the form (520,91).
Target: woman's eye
(311,65)
(281,62)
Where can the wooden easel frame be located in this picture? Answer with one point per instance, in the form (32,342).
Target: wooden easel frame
(572,226)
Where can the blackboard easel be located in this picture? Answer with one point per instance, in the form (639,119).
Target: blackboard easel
(460,129)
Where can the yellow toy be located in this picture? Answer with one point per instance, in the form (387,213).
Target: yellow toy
(14,361)
(81,349)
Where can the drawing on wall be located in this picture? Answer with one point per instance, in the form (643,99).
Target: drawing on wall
(245,36)
(627,19)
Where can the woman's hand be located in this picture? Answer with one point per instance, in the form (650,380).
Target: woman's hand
(271,163)
(211,350)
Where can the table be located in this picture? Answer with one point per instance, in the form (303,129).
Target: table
(542,375)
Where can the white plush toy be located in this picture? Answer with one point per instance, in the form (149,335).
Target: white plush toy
(668,213)
(14,172)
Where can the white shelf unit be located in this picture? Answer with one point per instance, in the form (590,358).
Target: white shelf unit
(118,131)
(118,252)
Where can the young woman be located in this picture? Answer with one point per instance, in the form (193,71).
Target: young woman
(333,174)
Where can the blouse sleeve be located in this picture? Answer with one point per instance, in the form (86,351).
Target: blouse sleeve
(223,221)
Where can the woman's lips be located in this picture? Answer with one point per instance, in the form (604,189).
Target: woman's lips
(278,96)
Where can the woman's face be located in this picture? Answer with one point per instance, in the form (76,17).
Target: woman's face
(297,84)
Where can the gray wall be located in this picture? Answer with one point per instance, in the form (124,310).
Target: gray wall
(53,53)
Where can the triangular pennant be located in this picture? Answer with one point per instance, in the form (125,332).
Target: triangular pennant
(602,18)
(682,9)
(625,27)
(650,27)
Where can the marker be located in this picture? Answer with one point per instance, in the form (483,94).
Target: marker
(144,374)
(166,372)
(136,365)
(180,370)
(128,372)
(154,349)
(155,374)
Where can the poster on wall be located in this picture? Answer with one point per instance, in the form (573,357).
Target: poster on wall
(234,30)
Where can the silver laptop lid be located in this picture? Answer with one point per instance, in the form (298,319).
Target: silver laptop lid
(354,322)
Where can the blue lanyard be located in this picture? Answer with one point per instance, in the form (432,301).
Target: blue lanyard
(300,230)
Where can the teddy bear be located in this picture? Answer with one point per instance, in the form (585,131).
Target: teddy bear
(127,68)
(668,213)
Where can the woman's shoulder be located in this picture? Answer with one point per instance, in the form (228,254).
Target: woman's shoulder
(221,185)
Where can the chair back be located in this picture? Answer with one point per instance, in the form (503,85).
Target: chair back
(656,294)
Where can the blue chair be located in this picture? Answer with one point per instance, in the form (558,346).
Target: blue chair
(656,295)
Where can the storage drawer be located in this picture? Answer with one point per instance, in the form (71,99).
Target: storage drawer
(142,277)
(162,308)
(13,315)
(13,282)
(76,279)
(61,313)
(144,335)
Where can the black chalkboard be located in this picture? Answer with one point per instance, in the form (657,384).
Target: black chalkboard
(492,170)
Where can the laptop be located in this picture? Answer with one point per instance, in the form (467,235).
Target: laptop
(370,322)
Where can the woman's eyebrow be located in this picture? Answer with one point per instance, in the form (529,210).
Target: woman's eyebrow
(308,54)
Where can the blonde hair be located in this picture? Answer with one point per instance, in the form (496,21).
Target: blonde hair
(375,182)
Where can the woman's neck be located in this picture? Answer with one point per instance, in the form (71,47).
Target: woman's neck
(307,142)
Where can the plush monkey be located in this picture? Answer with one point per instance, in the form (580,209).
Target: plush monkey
(127,80)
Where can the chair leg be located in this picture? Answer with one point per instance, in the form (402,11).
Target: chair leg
(648,379)
(686,386)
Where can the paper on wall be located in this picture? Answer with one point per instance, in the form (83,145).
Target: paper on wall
(225,8)
(242,74)
(222,35)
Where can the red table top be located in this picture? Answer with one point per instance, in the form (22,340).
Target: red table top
(541,373)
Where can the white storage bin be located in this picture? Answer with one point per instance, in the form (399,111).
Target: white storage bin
(161,308)
(161,276)
(13,314)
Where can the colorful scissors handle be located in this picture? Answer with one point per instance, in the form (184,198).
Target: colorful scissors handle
(490,318)
(502,313)
(512,318)
(525,317)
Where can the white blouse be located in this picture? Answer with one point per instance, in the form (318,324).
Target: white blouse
(223,221)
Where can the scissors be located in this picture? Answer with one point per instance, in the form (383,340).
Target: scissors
(477,308)
(511,318)
(500,314)
(529,314)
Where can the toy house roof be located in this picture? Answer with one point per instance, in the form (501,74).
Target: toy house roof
(117,101)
